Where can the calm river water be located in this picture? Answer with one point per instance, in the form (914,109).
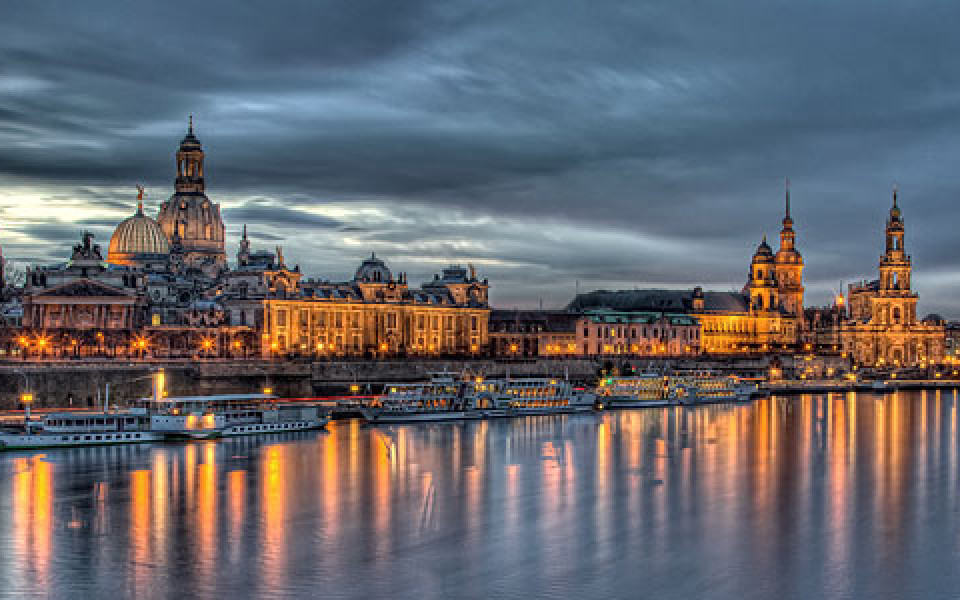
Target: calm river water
(823,496)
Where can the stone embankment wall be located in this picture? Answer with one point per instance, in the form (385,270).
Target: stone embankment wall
(78,384)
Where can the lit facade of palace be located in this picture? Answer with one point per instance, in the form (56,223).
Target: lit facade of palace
(882,328)
(765,316)
(373,315)
(605,332)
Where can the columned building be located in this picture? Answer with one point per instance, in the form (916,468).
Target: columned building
(376,314)
(883,329)
(83,306)
(611,333)
(189,219)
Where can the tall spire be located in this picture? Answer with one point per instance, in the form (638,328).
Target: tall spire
(139,199)
(896,188)
(787,181)
(787,219)
(190,127)
(788,196)
(244,231)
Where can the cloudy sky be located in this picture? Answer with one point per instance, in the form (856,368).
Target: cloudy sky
(618,144)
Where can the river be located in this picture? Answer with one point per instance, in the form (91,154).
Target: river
(839,496)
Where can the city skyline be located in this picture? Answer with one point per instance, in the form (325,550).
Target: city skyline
(661,169)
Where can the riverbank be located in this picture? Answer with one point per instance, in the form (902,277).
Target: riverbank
(789,388)
(77,384)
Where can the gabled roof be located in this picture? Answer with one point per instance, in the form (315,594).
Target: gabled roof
(84,288)
(659,300)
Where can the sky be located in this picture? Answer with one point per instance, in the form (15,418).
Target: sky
(549,143)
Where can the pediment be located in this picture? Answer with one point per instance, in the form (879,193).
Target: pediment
(85,288)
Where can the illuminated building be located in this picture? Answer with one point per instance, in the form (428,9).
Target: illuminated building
(373,315)
(189,219)
(882,328)
(138,241)
(532,333)
(83,302)
(605,332)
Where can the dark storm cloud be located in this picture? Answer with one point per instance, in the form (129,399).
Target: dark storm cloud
(537,138)
(278,216)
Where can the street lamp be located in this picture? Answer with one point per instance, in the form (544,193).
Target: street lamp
(26,399)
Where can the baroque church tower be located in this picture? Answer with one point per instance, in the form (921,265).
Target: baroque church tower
(896,304)
(883,328)
(189,218)
(762,285)
(789,266)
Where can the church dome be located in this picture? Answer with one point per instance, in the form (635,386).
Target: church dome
(373,270)
(188,216)
(138,240)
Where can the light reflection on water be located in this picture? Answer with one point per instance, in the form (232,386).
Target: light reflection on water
(837,496)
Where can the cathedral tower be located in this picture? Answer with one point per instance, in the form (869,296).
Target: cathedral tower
(789,265)
(190,215)
(896,303)
(762,286)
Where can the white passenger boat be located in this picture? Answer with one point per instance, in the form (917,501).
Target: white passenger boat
(635,391)
(197,417)
(445,398)
(67,429)
(650,390)
(705,387)
(439,399)
(513,397)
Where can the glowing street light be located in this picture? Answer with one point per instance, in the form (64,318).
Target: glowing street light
(26,399)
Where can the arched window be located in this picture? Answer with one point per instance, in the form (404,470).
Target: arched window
(896,314)
(895,281)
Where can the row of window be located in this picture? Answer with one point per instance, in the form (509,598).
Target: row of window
(686,333)
(353,318)
(252,428)
(93,422)
(102,438)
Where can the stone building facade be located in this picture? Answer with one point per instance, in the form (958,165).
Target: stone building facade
(518,333)
(373,315)
(612,333)
(882,328)
(191,222)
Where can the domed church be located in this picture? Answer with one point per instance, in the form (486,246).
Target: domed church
(189,219)
(138,241)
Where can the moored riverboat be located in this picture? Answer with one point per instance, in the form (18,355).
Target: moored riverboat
(70,429)
(200,417)
(512,397)
(446,398)
(704,387)
(636,391)
(441,398)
